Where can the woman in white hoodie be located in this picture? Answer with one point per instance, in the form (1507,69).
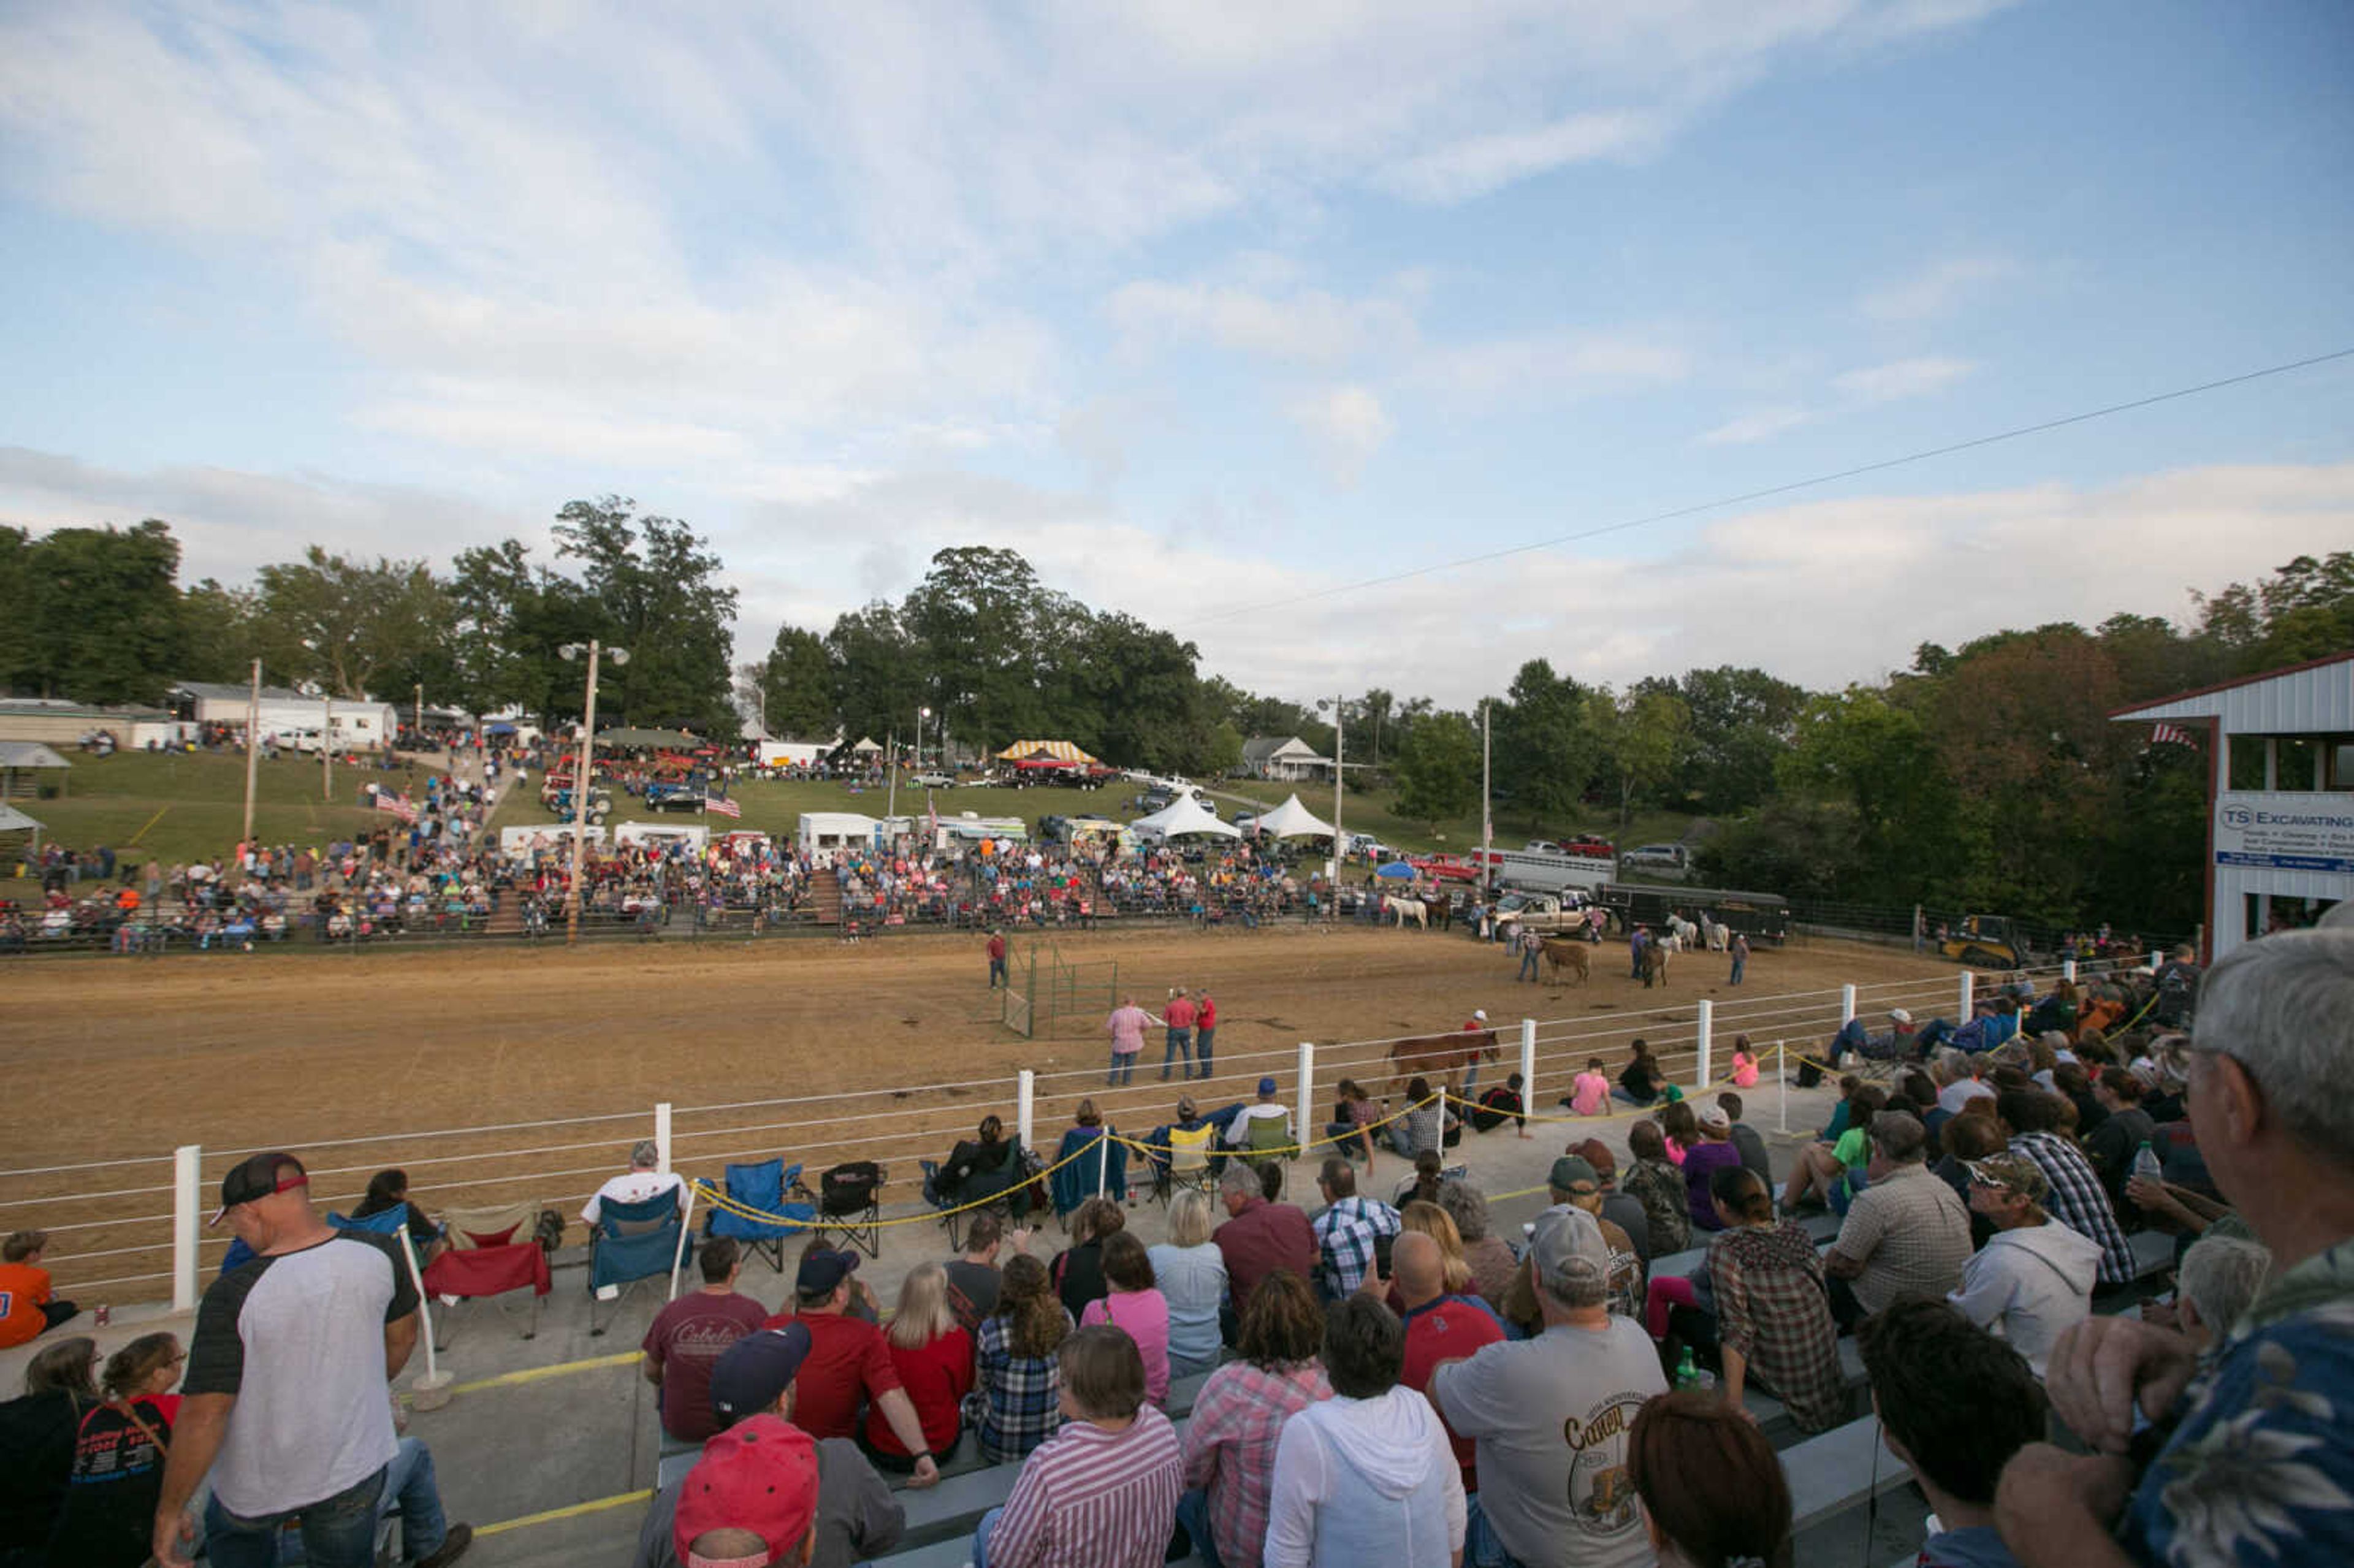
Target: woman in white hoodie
(2035,1277)
(1367,1476)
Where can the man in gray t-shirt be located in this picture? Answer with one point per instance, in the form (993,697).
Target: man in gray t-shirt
(285,1394)
(1549,1416)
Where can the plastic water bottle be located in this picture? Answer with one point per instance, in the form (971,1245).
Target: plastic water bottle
(1687,1375)
(2145,1161)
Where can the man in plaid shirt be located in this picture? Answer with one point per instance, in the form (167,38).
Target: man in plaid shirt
(1349,1230)
(2077,1199)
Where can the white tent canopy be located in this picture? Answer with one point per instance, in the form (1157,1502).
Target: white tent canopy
(1187,816)
(1292,820)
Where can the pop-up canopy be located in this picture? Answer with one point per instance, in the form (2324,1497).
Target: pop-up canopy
(1187,816)
(1292,820)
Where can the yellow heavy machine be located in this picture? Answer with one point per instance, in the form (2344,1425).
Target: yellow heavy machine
(1986,942)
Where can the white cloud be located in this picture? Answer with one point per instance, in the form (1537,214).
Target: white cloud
(1762,425)
(1478,164)
(1308,326)
(1939,288)
(1348,426)
(1903,379)
(1570,361)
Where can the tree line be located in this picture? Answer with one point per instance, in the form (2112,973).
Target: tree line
(1987,774)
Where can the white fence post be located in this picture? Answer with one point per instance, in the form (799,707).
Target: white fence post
(1707,1032)
(186,1200)
(1847,1004)
(1527,1064)
(1970,983)
(662,1136)
(2156,961)
(2068,970)
(1304,1130)
(1025,1098)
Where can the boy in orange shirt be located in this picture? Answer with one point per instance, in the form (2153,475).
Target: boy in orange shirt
(27,1310)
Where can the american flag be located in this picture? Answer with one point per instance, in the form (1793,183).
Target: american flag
(723,805)
(2170,734)
(398,805)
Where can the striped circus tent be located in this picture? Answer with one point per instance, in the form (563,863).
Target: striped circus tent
(1043,751)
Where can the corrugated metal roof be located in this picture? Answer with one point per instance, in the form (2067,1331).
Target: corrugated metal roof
(222,692)
(2316,698)
(29,754)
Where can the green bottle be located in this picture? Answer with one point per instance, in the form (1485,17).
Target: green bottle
(1687,1375)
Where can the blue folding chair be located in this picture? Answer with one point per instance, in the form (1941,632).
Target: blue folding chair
(1074,1183)
(763,1186)
(632,1242)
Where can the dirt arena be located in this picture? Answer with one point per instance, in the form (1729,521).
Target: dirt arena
(130,1058)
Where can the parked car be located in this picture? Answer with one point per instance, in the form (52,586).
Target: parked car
(932,781)
(1671,861)
(1367,844)
(1246,821)
(1547,913)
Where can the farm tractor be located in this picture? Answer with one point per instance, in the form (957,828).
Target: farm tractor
(555,796)
(1986,942)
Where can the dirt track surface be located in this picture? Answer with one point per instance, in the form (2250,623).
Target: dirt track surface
(131,1058)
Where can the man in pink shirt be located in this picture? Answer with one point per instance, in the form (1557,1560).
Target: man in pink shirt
(1180,1047)
(1126,1026)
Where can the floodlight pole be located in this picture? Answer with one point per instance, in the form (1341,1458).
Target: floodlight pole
(1340,751)
(327,747)
(1487,812)
(252,747)
(580,801)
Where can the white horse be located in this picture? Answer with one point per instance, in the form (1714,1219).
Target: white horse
(1719,935)
(1673,942)
(1685,931)
(1406,909)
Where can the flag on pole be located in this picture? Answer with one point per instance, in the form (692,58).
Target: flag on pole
(2170,735)
(721,805)
(398,805)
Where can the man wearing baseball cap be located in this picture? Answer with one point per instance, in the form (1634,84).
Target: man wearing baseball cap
(2034,1278)
(848,1357)
(284,1399)
(1548,1417)
(1266,1108)
(851,1514)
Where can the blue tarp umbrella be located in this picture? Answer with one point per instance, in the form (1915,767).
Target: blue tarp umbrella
(1397,868)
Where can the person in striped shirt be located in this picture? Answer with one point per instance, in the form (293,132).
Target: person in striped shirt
(1100,1493)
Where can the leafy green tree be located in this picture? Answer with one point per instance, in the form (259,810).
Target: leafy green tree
(220,629)
(1741,721)
(984,620)
(878,679)
(1438,769)
(1225,752)
(356,627)
(1133,692)
(656,587)
(796,684)
(95,613)
(1641,733)
(1546,751)
(1858,748)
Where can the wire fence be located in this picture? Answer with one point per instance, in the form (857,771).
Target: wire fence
(129,1229)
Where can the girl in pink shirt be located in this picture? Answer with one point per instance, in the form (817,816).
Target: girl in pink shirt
(1136,1305)
(1590,1094)
(1744,1063)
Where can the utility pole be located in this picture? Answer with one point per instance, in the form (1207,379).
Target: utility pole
(1487,814)
(891,771)
(327,749)
(252,747)
(1340,751)
(417,717)
(580,787)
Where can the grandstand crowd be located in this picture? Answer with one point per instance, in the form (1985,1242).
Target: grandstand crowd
(1352,1379)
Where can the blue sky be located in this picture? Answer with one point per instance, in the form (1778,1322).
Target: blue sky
(1209,309)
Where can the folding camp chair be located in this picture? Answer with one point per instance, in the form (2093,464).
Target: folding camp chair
(847,1202)
(631,1242)
(1267,1141)
(773,1188)
(491,1252)
(1189,1161)
(1074,1181)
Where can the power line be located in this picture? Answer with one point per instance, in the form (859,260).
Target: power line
(1771,490)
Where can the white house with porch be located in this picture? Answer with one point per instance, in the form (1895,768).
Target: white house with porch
(1287,759)
(2280,793)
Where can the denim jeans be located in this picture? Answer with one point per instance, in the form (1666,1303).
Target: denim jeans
(1123,1068)
(1178,1048)
(1480,1547)
(1203,1039)
(1528,965)
(338,1532)
(411,1491)
(980,1537)
(1193,1513)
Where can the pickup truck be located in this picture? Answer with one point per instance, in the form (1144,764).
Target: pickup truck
(1545,913)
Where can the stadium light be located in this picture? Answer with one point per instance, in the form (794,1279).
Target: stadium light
(580,780)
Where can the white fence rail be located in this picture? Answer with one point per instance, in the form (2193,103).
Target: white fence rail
(131,1229)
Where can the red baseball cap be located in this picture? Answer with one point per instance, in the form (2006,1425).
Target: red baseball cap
(760,1476)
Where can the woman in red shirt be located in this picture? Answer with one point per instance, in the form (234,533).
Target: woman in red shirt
(108,1520)
(934,1359)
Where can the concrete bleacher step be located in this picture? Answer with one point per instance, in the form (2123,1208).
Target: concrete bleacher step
(1841,1469)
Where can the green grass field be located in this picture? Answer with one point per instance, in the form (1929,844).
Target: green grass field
(177,808)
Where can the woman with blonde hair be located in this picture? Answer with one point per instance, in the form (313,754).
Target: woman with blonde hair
(933,1356)
(108,1518)
(1192,1274)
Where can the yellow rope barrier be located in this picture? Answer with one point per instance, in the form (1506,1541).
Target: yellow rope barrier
(719,1200)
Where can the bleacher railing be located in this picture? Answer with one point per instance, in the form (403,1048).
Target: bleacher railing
(130,1229)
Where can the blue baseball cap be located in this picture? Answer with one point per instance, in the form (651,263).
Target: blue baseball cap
(1266,1086)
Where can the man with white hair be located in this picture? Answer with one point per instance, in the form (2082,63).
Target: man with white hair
(2220,1276)
(2250,1455)
(1549,1416)
(642,1180)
